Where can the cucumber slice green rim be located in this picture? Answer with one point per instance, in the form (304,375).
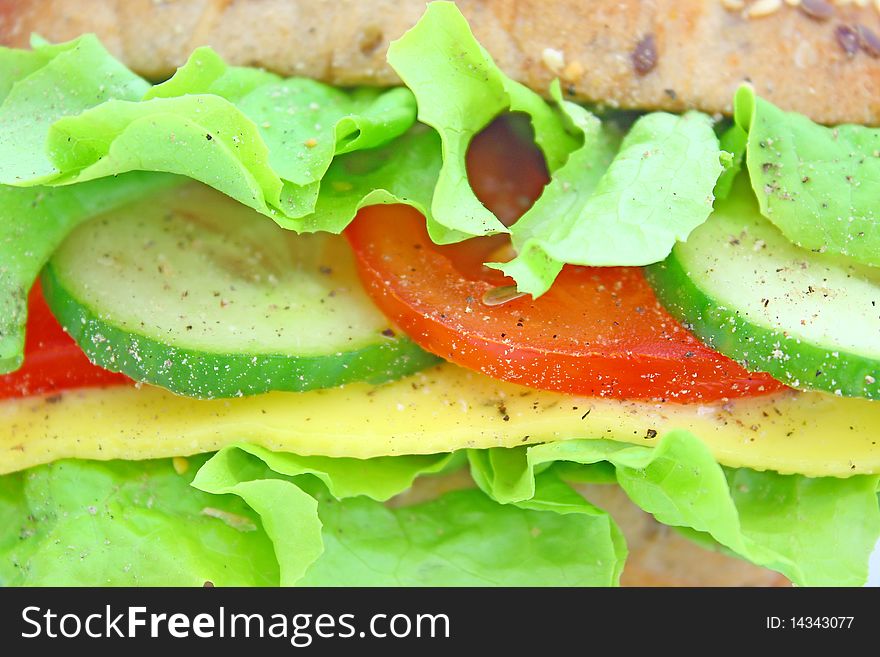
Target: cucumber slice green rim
(193,292)
(811,320)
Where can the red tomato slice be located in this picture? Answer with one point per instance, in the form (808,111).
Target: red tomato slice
(52,360)
(597,332)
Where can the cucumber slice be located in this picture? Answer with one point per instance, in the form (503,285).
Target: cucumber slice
(196,293)
(811,320)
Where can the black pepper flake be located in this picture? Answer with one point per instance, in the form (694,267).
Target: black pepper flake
(848,39)
(388,333)
(650,434)
(644,56)
(208,136)
(869,40)
(817,9)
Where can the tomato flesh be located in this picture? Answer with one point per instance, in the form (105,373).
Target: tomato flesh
(52,360)
(597,332)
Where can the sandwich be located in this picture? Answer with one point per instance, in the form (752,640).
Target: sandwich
(474,293)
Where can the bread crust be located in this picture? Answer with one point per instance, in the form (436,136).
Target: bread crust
(703,51)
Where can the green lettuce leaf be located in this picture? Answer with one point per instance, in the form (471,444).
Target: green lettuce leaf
(460,90)
(201,136)
(379,478)
(561,203)
(205,72)
(303,137)
(404,171)
(815,531)
(238,81)
(33,222)
(264,141)
(820,186)
(733,141)
(308,520)
(53,82)
(263,479)
(547,492)
(263,518)
(328,529)
(305,124)
(75,523)
(462,538)
(17,64)
(655,191)
(203,68)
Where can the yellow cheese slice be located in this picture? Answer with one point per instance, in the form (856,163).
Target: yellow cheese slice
(439,410)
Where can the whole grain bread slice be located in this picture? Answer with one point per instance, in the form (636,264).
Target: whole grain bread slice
(641,54)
